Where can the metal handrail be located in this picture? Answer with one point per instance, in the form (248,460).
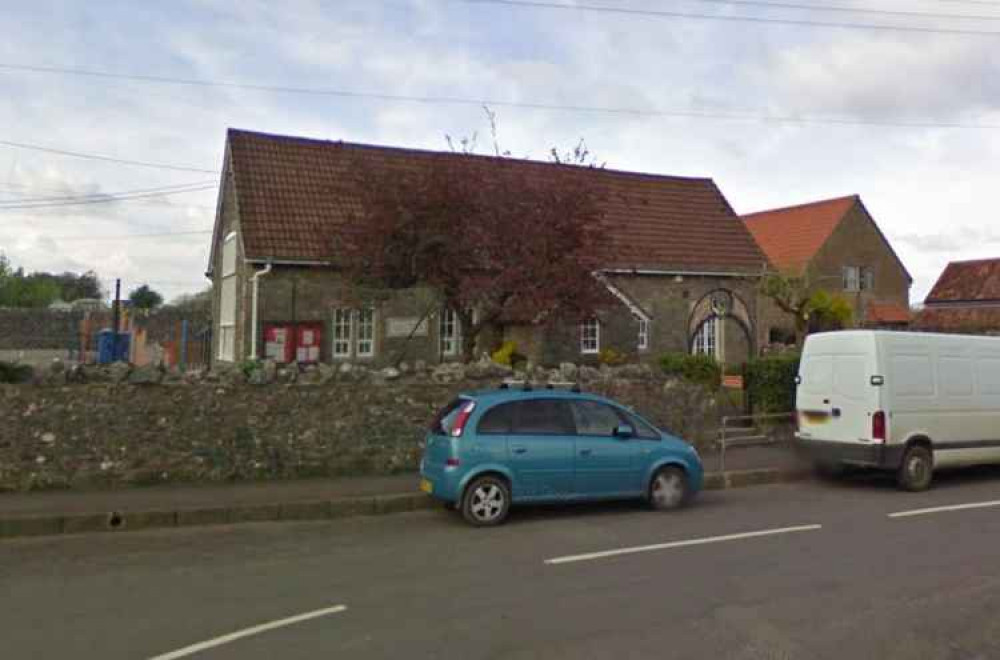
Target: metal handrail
(749,438)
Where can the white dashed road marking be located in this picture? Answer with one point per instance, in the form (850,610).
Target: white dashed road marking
(940,509)
(247,632)
(680,544)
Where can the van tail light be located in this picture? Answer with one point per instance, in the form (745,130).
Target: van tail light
(463,416)
(878,426)
(452,462)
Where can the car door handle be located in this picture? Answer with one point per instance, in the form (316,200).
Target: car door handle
(586,452)
(520,450)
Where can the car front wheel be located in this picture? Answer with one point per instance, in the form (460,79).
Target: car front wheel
(486,501)
(669,489)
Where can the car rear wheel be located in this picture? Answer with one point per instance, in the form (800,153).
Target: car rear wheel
(486,501)
(917,469)
(669,489)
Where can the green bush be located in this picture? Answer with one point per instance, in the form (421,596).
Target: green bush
(11,372)
(611,357)
(699,369)
(771,383)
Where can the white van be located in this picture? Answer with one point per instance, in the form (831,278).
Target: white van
(904,401)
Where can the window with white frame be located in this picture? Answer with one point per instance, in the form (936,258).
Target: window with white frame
(227,300)
(852,278)
(365,346)
(342,332)
(590,336)
(643,334)
(450,332)
(706,340)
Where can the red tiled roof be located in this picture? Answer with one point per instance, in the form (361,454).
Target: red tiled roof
(791,236)
(290,192)
(886,312)
(958,319)
(968,281)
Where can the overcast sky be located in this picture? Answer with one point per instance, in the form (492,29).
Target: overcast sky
(932,189)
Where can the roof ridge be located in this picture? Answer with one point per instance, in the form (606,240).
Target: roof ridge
(486,157)
(795,207)
(973,261)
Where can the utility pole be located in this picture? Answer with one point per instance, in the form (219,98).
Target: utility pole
(116,319)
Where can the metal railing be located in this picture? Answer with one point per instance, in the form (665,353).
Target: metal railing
(749,431)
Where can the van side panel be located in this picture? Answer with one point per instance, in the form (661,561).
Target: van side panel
(945,388)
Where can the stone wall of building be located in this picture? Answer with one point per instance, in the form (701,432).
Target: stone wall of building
(118,426)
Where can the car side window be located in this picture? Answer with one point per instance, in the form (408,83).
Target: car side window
(542,417)
(497,419)
(642,430)
(594,418)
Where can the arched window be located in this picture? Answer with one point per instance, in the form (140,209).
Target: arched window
(706,340)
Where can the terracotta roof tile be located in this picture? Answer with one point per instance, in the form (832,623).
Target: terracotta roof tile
(958,319)
(290,193)
(968,281)
(791,236)
(886,312)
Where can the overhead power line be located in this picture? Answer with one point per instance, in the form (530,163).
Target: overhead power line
(109,159)
(765,4)
(658,13)
(160,190)
(479,102)
(16,206)
(129,237)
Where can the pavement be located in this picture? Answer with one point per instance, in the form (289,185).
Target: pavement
(814,569)
(61,512)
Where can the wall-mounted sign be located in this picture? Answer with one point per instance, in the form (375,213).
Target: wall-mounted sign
(404,325)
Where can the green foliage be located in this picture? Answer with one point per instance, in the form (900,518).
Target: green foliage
(698,369)
(505,354)
(771,383)
(145,298)
(19,289)
(829,311)
(611,357)
(11,372)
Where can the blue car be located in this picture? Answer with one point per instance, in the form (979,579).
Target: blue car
(488,450)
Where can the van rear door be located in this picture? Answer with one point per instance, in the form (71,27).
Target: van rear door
(835,397)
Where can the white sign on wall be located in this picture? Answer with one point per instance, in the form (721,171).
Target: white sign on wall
(402,327)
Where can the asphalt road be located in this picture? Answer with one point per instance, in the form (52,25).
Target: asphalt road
(847,582)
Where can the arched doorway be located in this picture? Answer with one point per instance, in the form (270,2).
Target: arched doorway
(720,326)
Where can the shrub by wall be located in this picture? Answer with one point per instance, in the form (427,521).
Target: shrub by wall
(771,383)
(697,369)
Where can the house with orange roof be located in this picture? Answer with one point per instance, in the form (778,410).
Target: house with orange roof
(965,298)
(837,246)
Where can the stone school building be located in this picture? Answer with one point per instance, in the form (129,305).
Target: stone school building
(680,266)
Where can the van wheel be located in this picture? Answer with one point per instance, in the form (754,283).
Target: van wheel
(916,470)
(486,501)
(669,489)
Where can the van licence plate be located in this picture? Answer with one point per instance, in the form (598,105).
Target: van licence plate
(813,417)
(426,486)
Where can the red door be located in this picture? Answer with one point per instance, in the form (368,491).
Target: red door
(279,342)
(308,339)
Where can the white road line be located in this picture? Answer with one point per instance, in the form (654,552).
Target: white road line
(247,632)
(939,509)
(680,544)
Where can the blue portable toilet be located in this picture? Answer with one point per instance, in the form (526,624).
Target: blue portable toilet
(107,352)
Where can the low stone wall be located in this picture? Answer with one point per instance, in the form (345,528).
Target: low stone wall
(117,426)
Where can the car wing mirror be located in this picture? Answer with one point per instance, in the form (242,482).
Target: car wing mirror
(624,431)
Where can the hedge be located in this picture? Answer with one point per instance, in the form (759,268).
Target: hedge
(770,383)
(699,369)
(11,372)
